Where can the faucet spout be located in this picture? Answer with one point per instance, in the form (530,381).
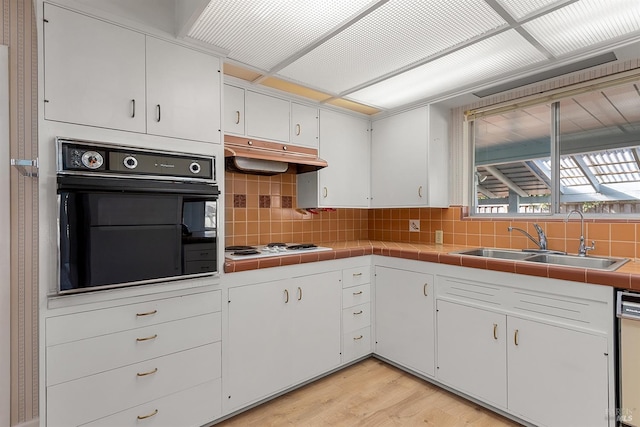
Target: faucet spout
(541,243)
(582,249)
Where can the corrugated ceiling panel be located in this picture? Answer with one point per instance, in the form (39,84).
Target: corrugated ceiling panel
(486,60)
(585,23)
(263,33)
(519,9)
(398,33)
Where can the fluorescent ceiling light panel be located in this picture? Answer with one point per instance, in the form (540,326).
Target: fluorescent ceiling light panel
(485,60)
(520,9)
(263,33)
(586,23)
(398,33)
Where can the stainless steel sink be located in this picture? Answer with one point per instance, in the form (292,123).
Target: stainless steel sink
(610,264)
(551,257)
(495,253)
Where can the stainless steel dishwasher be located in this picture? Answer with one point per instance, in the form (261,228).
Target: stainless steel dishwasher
(628,313)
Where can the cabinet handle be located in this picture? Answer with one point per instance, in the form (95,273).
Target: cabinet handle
(142,417)
(357,312)
(237,117)
(515,337)
(424,290)
(152,337)
(298,129)
(357,293)
(357,274)
(144,374)
(158,113)
(358,338)
(324,191)
(419,190)
(286,295)
(299,293)
(133,108)
(495,331)
(147,313)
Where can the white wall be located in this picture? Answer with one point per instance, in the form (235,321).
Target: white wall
(5,253)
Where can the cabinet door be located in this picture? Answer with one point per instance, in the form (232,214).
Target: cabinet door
(95,79)
(471,351)
(233,110)
(316,324)
(183,92)
(557,376)
(405,318)
(304,125)
(344,144)
(259,344)
(267,117)
(399,160)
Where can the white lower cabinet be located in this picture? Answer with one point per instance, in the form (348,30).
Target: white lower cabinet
(280,334)
(123,364)
(356,313)
(404,318)
(471,351)
(541,355)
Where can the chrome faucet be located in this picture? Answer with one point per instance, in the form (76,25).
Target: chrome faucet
(582,250)
(542,239)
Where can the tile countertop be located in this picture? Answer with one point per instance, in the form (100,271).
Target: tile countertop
(627,276)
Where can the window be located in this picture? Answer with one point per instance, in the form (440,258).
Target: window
(580,150)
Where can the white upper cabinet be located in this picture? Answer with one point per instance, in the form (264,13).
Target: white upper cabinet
(267,117)
(409,159)
(344,144)
(101,74)
(94,72)
(234,114)
(304,125)
(183,92)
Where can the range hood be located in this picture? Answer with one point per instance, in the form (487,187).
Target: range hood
(268,158)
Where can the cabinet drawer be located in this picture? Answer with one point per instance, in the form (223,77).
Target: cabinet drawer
(356,317)
(356,295)
(356,344)
(77,326)
(87,399)
(195,267)
(356,276)
(77,359)
(193,407)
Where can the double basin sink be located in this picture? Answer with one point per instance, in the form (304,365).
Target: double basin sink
(548,257)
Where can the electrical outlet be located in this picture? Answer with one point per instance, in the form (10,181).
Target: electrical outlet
(439,237)
(414,225)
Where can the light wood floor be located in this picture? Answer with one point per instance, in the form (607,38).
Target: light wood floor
(370,393)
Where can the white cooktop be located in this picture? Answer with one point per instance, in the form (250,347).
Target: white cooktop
(266,251)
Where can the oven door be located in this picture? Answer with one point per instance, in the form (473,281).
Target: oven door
(117,232)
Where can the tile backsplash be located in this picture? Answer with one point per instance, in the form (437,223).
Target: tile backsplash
(261,209)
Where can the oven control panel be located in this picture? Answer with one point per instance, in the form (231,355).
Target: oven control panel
(88,158)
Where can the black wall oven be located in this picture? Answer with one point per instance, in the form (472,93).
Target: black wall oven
(130,216)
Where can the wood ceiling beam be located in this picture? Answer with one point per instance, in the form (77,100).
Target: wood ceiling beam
(506,181)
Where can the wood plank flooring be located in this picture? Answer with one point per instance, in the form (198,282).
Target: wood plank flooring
(369,393)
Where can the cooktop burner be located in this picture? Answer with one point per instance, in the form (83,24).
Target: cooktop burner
(270,250)
(239,248)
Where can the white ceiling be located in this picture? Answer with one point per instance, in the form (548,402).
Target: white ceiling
(389,53)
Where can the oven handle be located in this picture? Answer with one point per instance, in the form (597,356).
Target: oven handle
(68,183)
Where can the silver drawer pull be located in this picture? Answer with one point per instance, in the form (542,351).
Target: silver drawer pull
(142,417)
(357,293)
(357,274)
(357,312)
(358,338)
(152,337)
(144,374)
(148,313)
